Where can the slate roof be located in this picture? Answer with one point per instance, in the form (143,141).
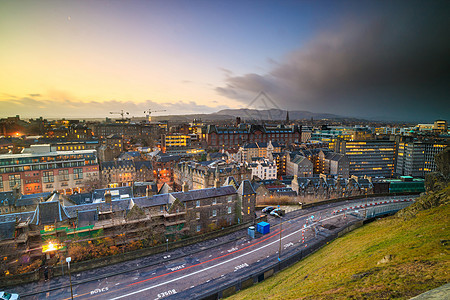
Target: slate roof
(117,164)
(20,216)
(152,201)
(87,217)
(197,194)
(7,230)
(365,183)
(132,153)
(250,146)
(166,158)
(298,159)
(81,198)
(246,188)
(116,205)
(31,199)
(334,156)
(143,163)
(6,197)
(230,181)
(116,193)
(141,187)
(49,213)
(165,188)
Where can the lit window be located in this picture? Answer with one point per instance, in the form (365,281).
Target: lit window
(229,210)
(214,213)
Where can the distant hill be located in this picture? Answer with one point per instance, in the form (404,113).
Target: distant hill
(275,114)
(250,114)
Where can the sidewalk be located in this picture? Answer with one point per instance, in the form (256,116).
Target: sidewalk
(440,293)
(125,267)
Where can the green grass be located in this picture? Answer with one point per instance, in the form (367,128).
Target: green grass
(420,262)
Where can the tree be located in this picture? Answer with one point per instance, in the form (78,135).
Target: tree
(93,183)
(442,161)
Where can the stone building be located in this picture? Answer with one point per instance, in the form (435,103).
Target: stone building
(46,232)
(298,165)
(321,188)
(200,175)
(125,172)
(334,163)
(224,137)
(258,149)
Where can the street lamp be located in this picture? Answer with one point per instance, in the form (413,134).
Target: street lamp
(167,241)
(281,230)
(68,259)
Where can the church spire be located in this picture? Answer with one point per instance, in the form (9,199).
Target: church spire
(287,117)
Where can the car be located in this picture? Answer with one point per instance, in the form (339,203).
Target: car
(268,209)
(277,212)
(8,296)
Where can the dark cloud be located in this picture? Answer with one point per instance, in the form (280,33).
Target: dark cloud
(388,67)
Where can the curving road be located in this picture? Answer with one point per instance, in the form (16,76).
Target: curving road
(190,271)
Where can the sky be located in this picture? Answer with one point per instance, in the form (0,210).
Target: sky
(386,60)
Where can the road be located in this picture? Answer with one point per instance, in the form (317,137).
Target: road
(188,272)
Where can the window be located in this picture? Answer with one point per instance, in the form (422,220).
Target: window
(214,202)
(197,203)
(13,180)
(214,213)
(229,198)
(197,216)
(1,183)
(199,227)
(229,209)
(78,173)
(63,175)
(161,208)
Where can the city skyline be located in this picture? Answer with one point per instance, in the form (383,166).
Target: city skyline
(374,60)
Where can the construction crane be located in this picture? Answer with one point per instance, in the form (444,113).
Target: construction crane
(119,113)
(149,112)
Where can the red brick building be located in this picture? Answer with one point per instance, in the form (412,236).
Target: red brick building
(218,137)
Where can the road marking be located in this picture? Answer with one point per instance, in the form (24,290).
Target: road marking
(296,218)
(240,266)
(177,268)
(210,267)
(167,293)
(96,291)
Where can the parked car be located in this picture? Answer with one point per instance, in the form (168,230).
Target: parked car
(268,209)
(277,212)
(8,296)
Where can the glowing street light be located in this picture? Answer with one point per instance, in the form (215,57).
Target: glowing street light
(68,260)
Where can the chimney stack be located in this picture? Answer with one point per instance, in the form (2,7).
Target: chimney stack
(217,183)
(185,187)
(108,197)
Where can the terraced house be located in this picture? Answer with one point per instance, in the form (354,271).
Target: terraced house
(320,188)
(47,232)
(200,175)
(125,172)
(224,137)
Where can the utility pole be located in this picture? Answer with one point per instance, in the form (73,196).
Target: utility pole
(68,259)
(281,230)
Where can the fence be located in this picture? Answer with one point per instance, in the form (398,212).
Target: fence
(227,289)
(60,270)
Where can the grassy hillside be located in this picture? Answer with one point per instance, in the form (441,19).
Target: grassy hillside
(393,258)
